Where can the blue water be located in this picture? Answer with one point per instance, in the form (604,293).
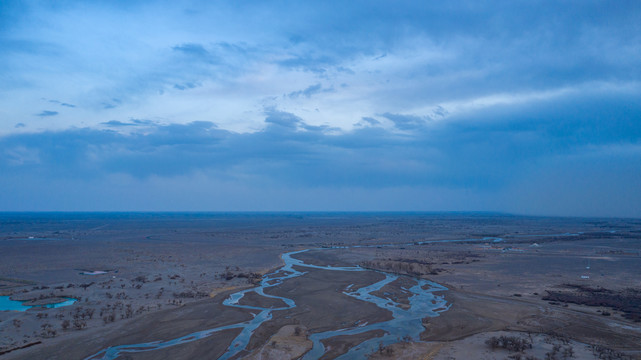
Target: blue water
(13,305)
(8,304)
(405,323)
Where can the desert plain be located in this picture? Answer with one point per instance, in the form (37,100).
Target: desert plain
(166,285)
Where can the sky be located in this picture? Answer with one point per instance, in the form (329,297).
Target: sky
(525,107)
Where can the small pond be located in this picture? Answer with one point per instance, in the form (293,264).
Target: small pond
(14,305)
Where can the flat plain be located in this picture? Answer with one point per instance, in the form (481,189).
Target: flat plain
(513,286)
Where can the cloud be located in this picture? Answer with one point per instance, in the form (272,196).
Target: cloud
(370,121)
(20,156)
(116,123)
(112,104)
(132,122)
(469,151)
(185,86)
(513,156)
(62,103)
(315,64)
(397,59)
(195,50)
(282,119)
(46,113)
(407,122)
(309,91)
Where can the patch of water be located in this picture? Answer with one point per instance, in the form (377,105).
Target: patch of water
(15,305)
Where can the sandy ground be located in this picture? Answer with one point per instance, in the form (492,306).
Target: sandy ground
(289,342)
(166,276)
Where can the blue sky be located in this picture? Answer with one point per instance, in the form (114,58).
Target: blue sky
(529,107)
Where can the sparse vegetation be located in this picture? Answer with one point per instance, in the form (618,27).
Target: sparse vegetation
(79,324)
(627,300)
(141,278)
(47,331)
(191,294)
(385,350)
(402,266)
(510,343)
(605,353)
(560,353)
(85,286)
(252,277)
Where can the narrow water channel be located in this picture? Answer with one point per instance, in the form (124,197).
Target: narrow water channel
(406,323)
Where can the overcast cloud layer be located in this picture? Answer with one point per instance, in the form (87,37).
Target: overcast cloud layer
(526,107)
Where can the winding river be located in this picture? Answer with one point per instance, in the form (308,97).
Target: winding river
(405,323)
